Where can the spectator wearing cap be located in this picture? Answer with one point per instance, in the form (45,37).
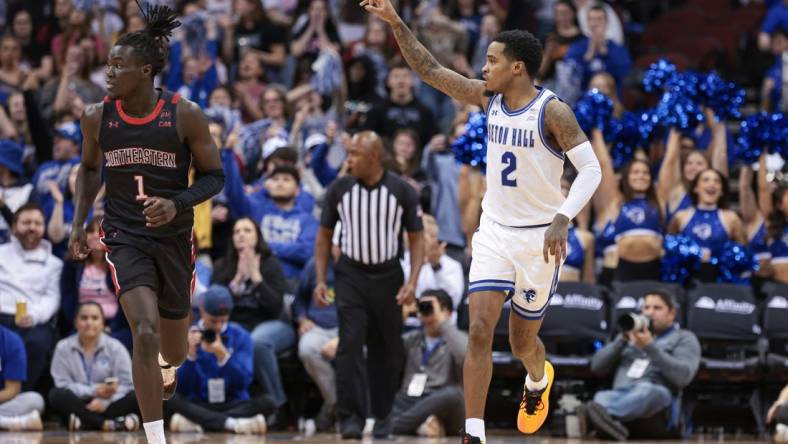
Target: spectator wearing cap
(597,53)
(18,410)
(214,380)
(92,374)
(15,191)
(288,229)
(30,288)
(430,400)
(65,154)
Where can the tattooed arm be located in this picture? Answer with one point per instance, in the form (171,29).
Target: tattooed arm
(562,125)
(420,60)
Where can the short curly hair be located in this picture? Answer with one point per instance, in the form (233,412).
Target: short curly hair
(522,46)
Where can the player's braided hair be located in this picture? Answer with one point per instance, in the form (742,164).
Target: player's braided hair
(152,43)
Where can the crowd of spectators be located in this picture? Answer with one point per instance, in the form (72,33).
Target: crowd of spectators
(285,85)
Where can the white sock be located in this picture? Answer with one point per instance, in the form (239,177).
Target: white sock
(475,427)
(154,432)
(533,386)
(230,424)
(7,422)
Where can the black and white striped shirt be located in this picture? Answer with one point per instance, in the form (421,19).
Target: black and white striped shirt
(372,217)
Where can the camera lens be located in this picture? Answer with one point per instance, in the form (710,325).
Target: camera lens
(425,308)
(208,336)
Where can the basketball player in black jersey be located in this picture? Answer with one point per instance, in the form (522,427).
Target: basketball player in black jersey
(146,139)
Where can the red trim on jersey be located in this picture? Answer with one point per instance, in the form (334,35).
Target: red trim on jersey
(107,251)
(194,269)
(139,120)
(175,98)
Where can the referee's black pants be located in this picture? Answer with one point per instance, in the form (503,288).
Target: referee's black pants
(368,313)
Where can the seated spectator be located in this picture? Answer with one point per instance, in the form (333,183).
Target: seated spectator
(213,393)
(439,272)
(91,280)
(319,337)
(16,191)
(30,288)
(597,53)
(257,284)
(92,375)
(651,368)
(288,230)
(406,151)
(18,410)
(778,413)
(430,401)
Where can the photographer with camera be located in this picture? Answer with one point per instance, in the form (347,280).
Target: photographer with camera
(213,393)
(430,402)
(653,359)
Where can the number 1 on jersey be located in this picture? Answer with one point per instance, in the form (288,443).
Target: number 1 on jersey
(140,188)
(510,160)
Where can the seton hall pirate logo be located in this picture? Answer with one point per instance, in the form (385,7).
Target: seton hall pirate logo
(702,231)
(636,215)
(529,295)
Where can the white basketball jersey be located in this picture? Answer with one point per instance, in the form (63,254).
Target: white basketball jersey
(523,170)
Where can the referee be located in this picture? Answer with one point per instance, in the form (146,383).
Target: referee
(374,207)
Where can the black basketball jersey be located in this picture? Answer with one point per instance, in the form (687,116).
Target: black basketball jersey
(143,157)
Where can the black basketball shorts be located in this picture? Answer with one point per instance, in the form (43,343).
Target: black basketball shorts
(166,265)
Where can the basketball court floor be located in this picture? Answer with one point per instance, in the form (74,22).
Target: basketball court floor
(63,437)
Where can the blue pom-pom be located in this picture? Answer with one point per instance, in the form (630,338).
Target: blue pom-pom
(471,147)
(723,97)
(626,138)
(594,110)
(762,132)
(682,256)
(660,75)
(735,264)
(677,110)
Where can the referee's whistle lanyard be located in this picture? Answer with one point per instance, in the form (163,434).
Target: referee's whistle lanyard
(427,353)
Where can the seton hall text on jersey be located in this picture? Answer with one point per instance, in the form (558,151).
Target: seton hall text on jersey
(136,156)
(504,135)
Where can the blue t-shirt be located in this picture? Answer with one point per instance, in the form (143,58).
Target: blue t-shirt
(616,62)
(776,18)
(13,359)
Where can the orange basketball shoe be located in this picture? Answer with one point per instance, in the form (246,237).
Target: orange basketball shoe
(535,405)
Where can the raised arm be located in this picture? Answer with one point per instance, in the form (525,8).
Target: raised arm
(764,196)
(88,178)
(669,172)
(420,60)
(606,199)
(749,209)
(719,143)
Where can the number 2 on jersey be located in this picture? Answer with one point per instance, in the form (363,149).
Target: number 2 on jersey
(510,160)
(140,188)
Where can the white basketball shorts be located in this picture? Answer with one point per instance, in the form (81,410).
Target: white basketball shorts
(511,260)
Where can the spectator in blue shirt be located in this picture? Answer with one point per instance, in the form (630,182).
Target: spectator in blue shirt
(18,410)
(287,228)
(65,154)
(598,54)
(213,389)
(776,20)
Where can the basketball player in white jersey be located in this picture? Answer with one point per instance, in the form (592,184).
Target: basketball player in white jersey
(521,241)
